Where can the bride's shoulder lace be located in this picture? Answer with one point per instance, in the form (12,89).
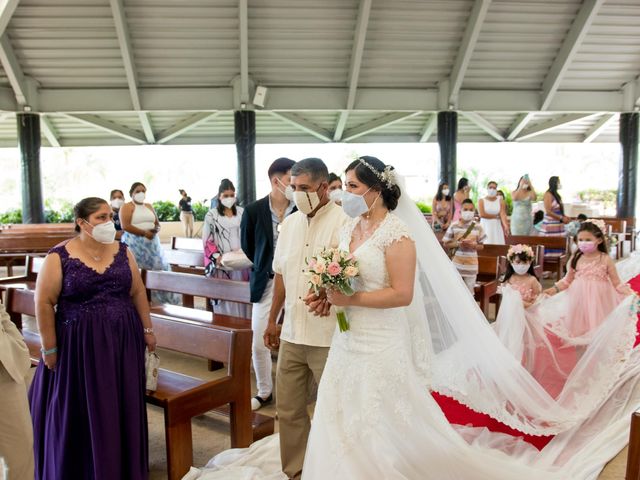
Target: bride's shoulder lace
(391,230)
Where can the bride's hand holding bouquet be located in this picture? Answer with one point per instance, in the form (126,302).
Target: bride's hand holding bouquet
(333,270)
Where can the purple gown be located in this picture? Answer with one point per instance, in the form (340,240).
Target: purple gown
(89,415)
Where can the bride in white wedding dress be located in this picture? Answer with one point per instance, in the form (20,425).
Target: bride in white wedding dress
(416,330)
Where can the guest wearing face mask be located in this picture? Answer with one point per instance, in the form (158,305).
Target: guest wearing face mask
(260,229)
(467,238)
(305,338)
(88,393)
(141,226)
(186,213)
(117,200)
(493,215)
(522,215)
(221,234)
(442,208)
(335,188)
(461,194)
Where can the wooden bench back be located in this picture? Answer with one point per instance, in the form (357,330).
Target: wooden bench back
(551,242)
(189,258)
(20,302)
(38,227)
(197,285)
(487,267)
(204,341)
(11,243)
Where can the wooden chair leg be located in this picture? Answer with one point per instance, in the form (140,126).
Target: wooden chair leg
(633,455)
(240,423)
(179,448)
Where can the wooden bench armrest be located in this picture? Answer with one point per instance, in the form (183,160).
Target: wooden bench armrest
(14,279)
(199,400)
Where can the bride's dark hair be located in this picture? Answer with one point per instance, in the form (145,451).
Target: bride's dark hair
(390,194)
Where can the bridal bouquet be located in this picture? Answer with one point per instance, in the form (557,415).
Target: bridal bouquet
(333,268)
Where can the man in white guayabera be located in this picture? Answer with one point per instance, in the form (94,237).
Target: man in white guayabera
(305,338)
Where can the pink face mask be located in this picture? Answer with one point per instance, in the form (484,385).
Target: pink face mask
(587,246)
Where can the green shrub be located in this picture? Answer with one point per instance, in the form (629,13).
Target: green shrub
(11,216)
(166,211)
(424,208)
(199,211)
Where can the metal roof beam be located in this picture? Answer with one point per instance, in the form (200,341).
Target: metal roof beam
(243,14)
(553,124)
(469,40)
(124,41)
(7,8)
(190,99)
(185,125)
(484,124)
(304,125)
(429,127)
(49,131)
(354,68)
(573,40)
(13,70)
(600,126)
(110,127)
(378,123)
(519,125)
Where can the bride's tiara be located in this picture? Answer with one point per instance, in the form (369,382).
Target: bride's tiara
(387,176)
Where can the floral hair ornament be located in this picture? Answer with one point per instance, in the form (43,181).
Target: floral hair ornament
(598,223)
(520,251)
(387,176)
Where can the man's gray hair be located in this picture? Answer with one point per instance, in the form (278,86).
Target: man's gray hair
(314,167)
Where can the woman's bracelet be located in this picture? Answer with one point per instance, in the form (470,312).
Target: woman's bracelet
(148,330)
(48,352)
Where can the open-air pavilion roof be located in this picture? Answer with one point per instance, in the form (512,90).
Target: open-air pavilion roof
(123,72)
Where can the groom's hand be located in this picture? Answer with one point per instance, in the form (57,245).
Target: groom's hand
(271,337)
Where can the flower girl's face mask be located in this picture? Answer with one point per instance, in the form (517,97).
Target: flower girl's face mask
(520,268)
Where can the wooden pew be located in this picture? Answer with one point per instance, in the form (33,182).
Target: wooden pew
(487,282)
(180,396)
(186,255)
(190,286)
(633,454)
(23,243)
(26,281)
(555,263)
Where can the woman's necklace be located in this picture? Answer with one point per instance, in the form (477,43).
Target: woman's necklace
(365,232)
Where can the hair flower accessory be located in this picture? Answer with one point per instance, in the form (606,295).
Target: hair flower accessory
(387,176)
(522,251)
(598,223)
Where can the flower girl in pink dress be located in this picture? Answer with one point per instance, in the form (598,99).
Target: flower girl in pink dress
(593,286)
(520,275)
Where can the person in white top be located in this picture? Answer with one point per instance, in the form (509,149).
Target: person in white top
(493,216)
(305,338)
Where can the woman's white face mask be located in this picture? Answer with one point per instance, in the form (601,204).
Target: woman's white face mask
(103,232)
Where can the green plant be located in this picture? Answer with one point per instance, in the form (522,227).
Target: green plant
(11,216)
(424,208)
(166,211)
(199,211)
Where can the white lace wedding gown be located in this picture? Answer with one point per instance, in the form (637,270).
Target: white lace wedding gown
(376,419)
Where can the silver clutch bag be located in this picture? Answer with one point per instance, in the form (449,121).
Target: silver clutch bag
(151,364)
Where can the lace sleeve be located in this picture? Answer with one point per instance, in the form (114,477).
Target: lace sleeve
(393,230)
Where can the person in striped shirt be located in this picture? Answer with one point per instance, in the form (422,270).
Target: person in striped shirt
(467,237)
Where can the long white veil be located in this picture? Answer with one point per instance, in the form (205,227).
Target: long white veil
(459,354)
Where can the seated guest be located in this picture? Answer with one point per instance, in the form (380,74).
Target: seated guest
(467,237)
(16,436)
(88,393)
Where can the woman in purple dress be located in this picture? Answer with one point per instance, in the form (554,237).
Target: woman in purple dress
(87,396)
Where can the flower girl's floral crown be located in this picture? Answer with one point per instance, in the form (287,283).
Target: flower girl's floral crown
(598,223)
(520,251)
(387,176)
